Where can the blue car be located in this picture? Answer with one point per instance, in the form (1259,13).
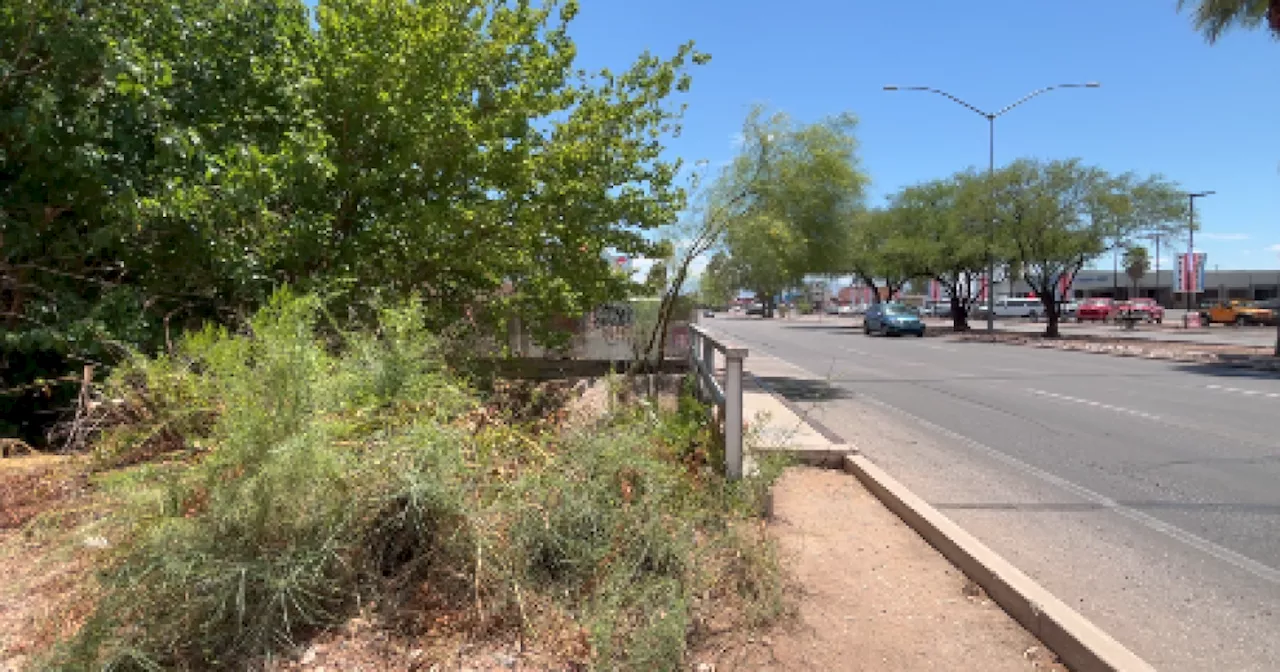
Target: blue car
(892,319)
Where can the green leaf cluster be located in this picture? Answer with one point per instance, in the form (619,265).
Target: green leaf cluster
(167,162)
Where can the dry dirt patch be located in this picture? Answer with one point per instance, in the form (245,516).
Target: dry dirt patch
(874,596)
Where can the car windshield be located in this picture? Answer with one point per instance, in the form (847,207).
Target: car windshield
(899,310)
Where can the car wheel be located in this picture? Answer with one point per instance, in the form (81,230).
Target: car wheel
(866,328)
(1035,317)
(1241,321)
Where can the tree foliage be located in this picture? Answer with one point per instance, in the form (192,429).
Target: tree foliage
(940,230)
(1214,17)
(790,195)
(1058,215)
(167,162)
(1137,261)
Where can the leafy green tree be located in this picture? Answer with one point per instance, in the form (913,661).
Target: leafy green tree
(1214,17)
(164,162)
(716,285)
(1137,261)
(802,185)
(939,228)
(765,253)
(877,254)
(133,147)
(470,151)
(1057,215)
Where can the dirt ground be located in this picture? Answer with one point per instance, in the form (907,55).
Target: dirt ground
(874,595)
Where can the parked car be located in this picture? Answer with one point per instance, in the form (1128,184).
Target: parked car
(936,309)
(1145,309)
(1068,309)
(1239,313)
(708,313)
(833,308)
(756,308)
(1100,310)
(1019,307)
(892,319)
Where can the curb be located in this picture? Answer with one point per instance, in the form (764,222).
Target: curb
(1079,644)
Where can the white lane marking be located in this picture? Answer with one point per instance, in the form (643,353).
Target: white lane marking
(942,348)
(1236,390)
(1222,553)
(856,351)
(1201,544)
(1095,404)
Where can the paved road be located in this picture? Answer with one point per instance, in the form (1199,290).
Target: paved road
(1259,336)
(1144,493)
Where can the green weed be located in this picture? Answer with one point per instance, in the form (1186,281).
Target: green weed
(322,476)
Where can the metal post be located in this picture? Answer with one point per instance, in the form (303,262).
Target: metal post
(991,241)
(1158,285)
(1189,277)
(733,413)
(1189,282)
(708,363)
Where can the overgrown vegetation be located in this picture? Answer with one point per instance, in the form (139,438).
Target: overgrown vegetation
(308,469)
(168,162)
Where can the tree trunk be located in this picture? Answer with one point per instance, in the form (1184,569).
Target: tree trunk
(1050,303)
(959,315)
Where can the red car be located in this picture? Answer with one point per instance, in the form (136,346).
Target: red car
(1146,309)
(1102,310)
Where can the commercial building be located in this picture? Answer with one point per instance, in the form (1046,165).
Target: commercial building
(1247,285)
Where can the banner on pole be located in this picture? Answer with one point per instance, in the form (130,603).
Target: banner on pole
(1064,286)
(935,291)
(1188,275)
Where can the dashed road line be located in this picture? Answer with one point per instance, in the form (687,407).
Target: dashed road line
(1096,404)
(1237,390)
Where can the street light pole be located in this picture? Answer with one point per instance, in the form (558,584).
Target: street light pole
(991,169)
(1189,282)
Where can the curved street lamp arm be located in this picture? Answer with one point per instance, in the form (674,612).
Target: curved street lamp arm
(1037,92)
(953,99)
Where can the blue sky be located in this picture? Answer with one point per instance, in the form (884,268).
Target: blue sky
(1169,103)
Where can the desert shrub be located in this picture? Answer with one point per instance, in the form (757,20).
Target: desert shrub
(329,469)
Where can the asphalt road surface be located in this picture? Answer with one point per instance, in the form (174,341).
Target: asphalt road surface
(1146,494)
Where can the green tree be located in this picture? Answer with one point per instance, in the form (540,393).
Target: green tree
(178,159)
(938,229)
(1057,215)
(716,285)
(470,151)
(1137,261)
(802,185)
(877,254)
(134,152)
(1214,17)
(765,253)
